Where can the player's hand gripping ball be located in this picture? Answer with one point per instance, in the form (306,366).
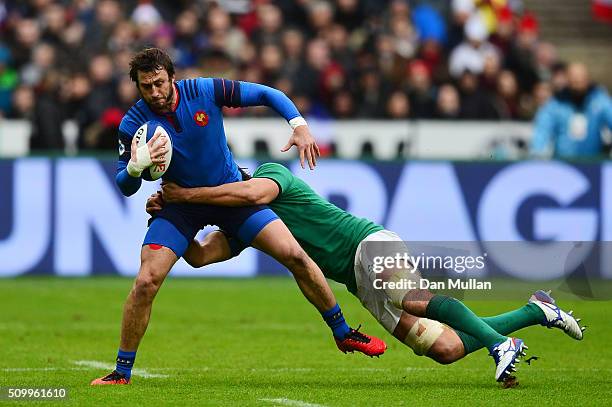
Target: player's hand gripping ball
(160,149)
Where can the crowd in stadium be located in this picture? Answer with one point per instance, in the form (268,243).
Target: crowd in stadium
(399,59)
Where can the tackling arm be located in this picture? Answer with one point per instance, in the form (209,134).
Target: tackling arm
(216,246)
(256,191)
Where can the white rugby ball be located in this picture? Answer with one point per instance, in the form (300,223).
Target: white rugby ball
(144,134)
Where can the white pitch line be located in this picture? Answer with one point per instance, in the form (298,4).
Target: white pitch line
(107,366)
(294,403)
(40,369)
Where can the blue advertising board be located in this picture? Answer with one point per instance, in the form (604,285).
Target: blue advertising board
(66,216)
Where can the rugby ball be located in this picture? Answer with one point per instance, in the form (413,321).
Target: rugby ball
(144,134)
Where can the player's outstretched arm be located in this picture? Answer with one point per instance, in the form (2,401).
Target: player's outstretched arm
(241,94)
(256,191)
(254,93)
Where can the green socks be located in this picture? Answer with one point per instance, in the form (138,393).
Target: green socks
(459,317)
(505,324)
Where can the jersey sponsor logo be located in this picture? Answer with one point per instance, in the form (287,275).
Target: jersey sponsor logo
(201,118)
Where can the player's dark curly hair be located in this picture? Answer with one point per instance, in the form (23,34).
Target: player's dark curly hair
(149,60)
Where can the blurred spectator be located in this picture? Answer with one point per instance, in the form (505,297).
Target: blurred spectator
(476,102)
(108,13)
(461,11)
(542,91)
(447,103)
(222,35)
(545,60)
(99,99)
(320,15)
(48,115)
(420,90)
(398,106)
(54,21)
(471,54)
(349,14)
(271,62)
(187,39)
(43,61)
(507,96)
(27,35)
(570,124)
(71,54)
(559,77)
(146,19)
(503,36)
(521,58)
(405,38)
(343,105)
(23,103)
(491,72)
(270,21)
(371,95)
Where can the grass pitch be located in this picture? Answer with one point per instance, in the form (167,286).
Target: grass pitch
(259,342)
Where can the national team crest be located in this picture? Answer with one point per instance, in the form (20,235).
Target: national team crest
(201,118)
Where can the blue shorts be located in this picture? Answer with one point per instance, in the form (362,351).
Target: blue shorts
(176,225)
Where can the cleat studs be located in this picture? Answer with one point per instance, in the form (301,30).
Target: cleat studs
(525,347)
(578,319)
(571,312)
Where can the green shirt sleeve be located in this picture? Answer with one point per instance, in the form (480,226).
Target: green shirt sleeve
(277,173)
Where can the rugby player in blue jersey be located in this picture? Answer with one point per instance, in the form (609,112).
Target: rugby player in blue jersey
(191,113)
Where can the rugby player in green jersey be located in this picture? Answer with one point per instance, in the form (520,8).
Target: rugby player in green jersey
(345,246)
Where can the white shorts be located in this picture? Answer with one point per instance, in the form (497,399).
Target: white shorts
(384,304)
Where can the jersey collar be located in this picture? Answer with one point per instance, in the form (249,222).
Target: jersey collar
(178,96)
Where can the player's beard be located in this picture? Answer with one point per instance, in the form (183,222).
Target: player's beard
(169,101)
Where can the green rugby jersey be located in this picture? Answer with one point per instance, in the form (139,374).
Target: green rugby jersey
(328,234)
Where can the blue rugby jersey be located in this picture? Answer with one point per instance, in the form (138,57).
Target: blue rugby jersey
(200,155)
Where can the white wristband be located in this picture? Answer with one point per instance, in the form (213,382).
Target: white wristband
(132,170)
(297,121)
(143,158)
